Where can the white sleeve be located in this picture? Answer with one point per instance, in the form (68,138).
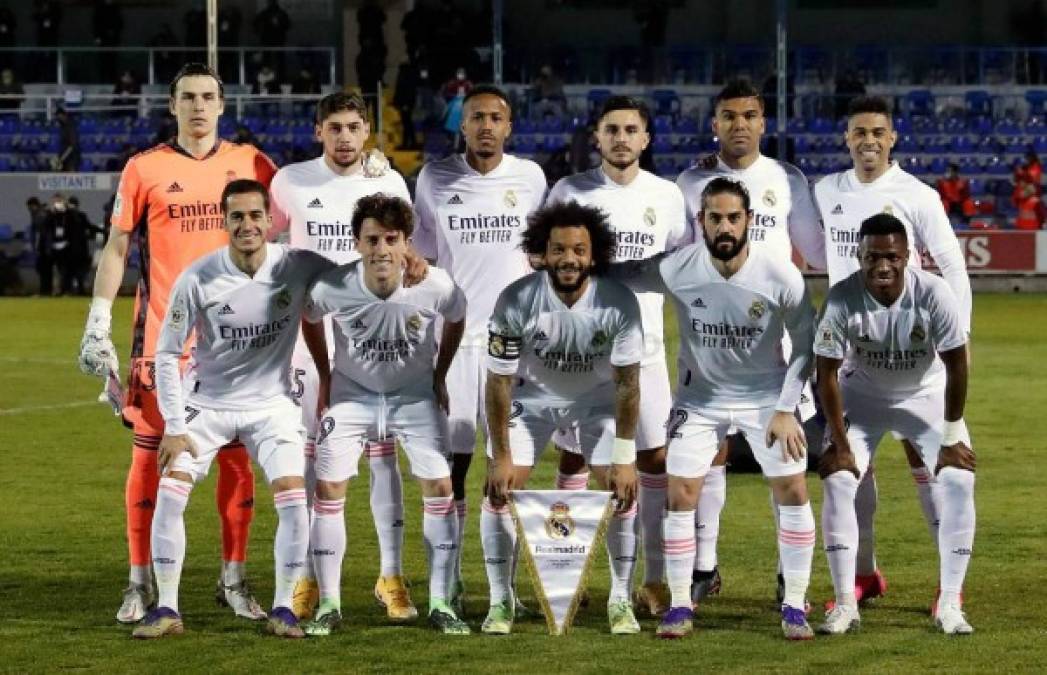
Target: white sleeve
(627,347)
(279,208)
(830,339)
(947,327)
(178,323)
(935,233)
(505,336)
(798,316)
(540,186)
(427,230)
(805,223)
(401,190)
(453,304)
(558,193)
(316,300)
(681,231)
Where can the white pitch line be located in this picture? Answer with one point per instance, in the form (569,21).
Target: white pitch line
(36,408)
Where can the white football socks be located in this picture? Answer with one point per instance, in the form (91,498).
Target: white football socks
(707,517)
(498,536)
(796,551)
(387,504)
(956,533)
(926,487)
(652,489)
(291,543)
(865,510)
(439,529)
(168,539)
(678,547)
(461,508)
(840,532)
(621,550)
(327,544)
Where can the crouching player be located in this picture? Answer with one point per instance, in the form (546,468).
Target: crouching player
(899,335)
(244,304)
(383,385)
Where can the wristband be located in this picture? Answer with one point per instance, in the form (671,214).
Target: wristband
(954,432)
(101,313)
(624,451)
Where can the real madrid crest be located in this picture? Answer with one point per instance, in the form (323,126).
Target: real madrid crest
(888,209)
(510,199)
(496,346)
(283,299)
(559,524)
(757,310)
(769,199)
(918,334)
(599,339)
(414,325)
(649,217)
(178,315)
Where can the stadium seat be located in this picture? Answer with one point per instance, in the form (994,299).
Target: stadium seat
(666,102)
(7,233)
(663,124)
(919,103)
(1037,98)
(687,125)
(596,97)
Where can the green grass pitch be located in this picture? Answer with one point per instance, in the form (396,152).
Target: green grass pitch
(63,555)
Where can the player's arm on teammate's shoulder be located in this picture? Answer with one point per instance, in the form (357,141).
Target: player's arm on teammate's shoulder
(178,323)
(935,233)
(955,450)
(805,221)
(642,276)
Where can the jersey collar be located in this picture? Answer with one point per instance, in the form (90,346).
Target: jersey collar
(368,293)
(173,144)
(583,302)
(493,173)
(852,177)
(264,273)
(904,301)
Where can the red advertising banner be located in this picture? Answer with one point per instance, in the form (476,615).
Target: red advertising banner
(996,251)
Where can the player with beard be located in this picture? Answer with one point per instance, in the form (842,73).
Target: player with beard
(898,337)
(734,303)
(784,216)
(877,184)
(472,209)
(564,350)
(646,214)
(315,200)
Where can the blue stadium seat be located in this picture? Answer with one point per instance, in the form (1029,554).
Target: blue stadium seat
(919,103)
(978,102)
(1008,126)
(977,187)
(902,125)
(7,233)
(524,126)
(663,124)
(687,125)
(938,166)
(907,144)
(961,144)
(666,102)
(1039,144)
(662,144)
(551,125)
(822,125)
(1037,98)
(936,145)
(596,97)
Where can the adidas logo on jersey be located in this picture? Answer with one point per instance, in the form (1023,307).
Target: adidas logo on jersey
(838,211)
(174,187)
(315,204)
(226,310)
(698,302)
(455,200)
(540,335)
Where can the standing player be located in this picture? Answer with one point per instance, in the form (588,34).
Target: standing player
(734,304)
(169,200)
(900,337)
(784,216)
(845,199)
(646,215)
(384,383)
(472,209)
(564,350)
(315,200)
(243,303)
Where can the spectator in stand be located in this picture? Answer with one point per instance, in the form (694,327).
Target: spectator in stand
(107,23)
(265,81)
(459,85)
(404,97)
(10,87)
(40,241)
(125,94)
(305,82)
(1031,211)
(547,93)
(955,192)
(272,25)
(68,159)
(1027,173)
(8,24)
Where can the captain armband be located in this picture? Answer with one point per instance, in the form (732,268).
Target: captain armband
(504,346)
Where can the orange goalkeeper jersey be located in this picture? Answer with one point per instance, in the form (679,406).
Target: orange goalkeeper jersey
(170,200)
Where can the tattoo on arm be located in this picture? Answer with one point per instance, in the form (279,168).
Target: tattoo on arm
(499,401)
(627,399)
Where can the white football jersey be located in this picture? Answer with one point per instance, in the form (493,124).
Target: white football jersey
(647,217)
(564,355)
(784,214)
(731,328)
(383,346)
(471,224)
(245,332)
(890,352)
(844,202)
(317,205)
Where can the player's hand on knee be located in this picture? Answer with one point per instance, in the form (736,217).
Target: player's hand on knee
(499,482)
(958,456)
(97,352)
(171,446)
(622,481)
(376,164)
(416,268)
(837,456)
(786,430)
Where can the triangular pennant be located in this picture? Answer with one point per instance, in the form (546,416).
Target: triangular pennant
(559,530)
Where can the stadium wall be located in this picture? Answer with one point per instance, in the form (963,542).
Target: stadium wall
(92,189)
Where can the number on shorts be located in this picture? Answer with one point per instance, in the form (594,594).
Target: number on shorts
(326,427)
(677,417)
(517,410)
(191,413)
(299,386)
